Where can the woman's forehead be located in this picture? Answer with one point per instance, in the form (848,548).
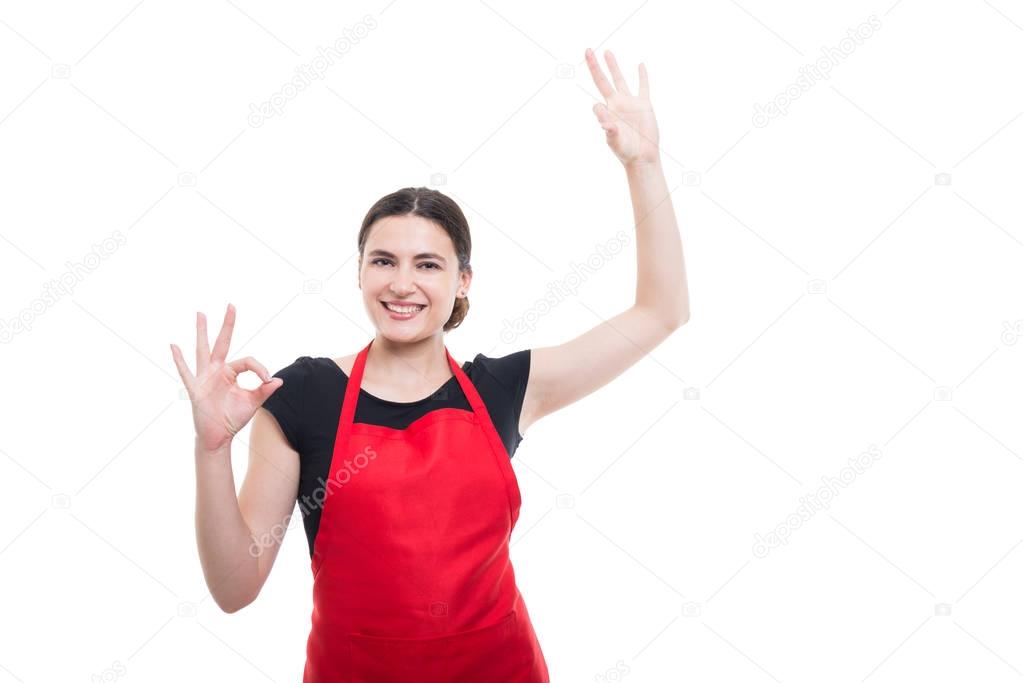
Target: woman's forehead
(408,235)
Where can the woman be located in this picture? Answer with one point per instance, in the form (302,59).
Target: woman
(399,456)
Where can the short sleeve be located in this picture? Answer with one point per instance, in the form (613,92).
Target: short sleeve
(287,404)
(507,378)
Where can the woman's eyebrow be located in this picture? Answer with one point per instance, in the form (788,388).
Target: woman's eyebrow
(381,252)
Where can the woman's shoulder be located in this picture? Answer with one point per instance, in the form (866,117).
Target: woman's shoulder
(297,369)
(512,364)
(306,371)
(304,364)
(346,363)
(306,380)
(501,381)
(506,375)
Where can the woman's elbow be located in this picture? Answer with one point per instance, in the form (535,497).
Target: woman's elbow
(234,603)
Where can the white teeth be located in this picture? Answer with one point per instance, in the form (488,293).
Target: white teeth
(404,309)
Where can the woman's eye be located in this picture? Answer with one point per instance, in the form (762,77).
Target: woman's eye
(427,263)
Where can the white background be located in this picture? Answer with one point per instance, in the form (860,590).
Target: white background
(845,295)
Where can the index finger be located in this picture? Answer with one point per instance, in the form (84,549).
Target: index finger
(598,75)
(186,376)
(616,73)
(224,338)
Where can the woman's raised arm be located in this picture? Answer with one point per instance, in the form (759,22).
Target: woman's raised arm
(560,375)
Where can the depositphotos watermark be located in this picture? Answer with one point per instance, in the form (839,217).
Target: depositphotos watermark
(811,504)
(61,286)
(313,71)
(811,74)
(1011,332)
(344,474)
(559,290)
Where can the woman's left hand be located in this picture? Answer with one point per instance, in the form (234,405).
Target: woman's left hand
(627,119)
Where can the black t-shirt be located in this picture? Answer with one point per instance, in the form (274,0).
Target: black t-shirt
(308,408)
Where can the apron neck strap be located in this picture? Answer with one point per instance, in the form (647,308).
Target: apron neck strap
(358,369)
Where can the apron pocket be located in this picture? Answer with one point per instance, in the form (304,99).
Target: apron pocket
(499,652)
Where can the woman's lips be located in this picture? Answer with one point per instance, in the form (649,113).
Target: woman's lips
(402,316)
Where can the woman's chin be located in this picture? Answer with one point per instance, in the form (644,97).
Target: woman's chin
(402,330)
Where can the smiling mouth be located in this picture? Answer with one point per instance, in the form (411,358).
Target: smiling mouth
(404,312)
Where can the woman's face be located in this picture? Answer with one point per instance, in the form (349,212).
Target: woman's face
(410,259)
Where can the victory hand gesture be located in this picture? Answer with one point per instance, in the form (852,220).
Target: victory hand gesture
(220,407)
(627,119)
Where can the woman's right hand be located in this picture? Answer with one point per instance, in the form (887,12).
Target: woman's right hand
(220,407)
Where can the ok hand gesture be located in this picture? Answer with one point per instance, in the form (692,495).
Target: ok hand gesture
(627,119)
(220,408)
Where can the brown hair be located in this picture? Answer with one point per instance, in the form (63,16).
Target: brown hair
(437,207)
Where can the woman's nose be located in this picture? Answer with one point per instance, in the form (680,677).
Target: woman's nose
(404,283)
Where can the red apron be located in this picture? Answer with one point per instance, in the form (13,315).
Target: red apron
(412,579)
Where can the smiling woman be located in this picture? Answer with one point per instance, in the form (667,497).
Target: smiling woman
(401,455)
(416,237)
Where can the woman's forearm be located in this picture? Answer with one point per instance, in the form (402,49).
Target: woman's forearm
(661,283)
(224,539)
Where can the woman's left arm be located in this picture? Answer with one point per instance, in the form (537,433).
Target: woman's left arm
(560,375)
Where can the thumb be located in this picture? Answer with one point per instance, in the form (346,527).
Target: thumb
(266,389)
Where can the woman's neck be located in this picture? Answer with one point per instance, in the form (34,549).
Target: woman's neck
(410,365)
